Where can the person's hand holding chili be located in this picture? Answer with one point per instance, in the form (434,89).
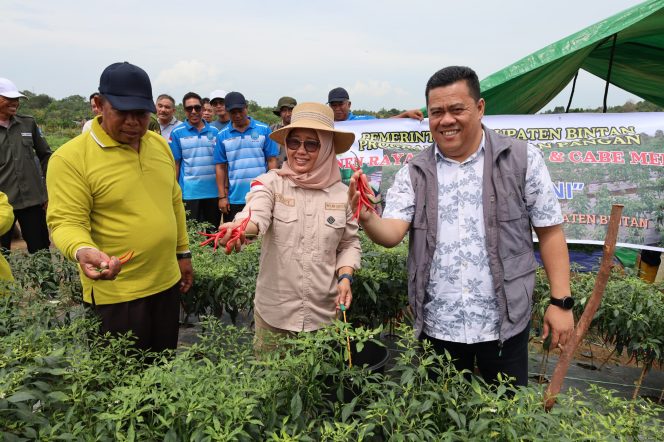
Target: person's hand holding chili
(235,234)
(97,264)
(358,195)
(344,281)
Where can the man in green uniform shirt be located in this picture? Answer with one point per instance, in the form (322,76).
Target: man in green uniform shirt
(114,191)
(24,155)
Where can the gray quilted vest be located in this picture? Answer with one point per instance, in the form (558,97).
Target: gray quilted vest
(507,227)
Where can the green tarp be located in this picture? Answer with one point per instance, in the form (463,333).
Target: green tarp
(528,85)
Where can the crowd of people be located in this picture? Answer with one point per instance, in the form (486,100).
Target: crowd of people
(119,194)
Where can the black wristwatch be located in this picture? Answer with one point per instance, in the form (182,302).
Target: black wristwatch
(185,255)
(565,303)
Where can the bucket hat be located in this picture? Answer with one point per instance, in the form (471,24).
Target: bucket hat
(284,102)
(315,116)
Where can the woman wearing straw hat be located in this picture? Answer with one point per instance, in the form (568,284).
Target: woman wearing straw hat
(310,244)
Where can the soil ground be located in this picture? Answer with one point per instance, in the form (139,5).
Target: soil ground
(595,364)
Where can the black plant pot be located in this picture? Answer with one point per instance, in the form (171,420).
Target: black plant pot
(373,355)
(373,358)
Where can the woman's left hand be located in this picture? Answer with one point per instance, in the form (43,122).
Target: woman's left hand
(344,294)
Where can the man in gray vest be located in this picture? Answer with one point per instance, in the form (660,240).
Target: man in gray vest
(469,202)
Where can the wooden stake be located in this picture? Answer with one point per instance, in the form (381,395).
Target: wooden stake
(590,310)
(640,381)
(350,359)
(542,370)
(607,359)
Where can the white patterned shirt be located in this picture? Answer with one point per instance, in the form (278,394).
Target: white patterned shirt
(460,303)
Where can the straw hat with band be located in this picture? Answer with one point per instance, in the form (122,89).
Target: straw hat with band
(315,116)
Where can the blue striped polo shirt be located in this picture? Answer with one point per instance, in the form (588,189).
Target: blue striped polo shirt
(195,151)
(352,116)
(246,154)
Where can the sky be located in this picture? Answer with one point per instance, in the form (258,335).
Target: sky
(383,52)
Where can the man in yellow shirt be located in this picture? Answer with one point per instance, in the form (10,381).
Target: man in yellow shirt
(6,223)
(115,191)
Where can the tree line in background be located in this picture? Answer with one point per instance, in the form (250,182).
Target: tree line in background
(61,120)
(629,106)
(68,113)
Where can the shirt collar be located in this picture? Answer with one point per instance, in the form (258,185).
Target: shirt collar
(233,129)
(290,183)
(206,126)
(101,137)
(12,120)
(473,157)
(173,122)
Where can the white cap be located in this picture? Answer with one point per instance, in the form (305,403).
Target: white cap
(9,89)
(217,93)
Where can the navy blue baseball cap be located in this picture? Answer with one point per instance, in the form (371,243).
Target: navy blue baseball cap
(234,100)
(337,94)
(127,87)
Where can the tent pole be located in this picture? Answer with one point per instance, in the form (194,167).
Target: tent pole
(608,74)
(569,104)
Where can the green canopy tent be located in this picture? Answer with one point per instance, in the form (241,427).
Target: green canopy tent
(626,50)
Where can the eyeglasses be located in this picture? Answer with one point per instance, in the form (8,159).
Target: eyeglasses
(216,102)
(309,145)
(196,108)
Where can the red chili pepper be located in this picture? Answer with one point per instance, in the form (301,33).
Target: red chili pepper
(364,190)
(126,257)
(235,234)
(123,260)
(213,238)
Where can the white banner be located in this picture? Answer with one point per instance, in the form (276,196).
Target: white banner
(595,160)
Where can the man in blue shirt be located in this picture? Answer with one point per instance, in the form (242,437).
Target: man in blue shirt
(339,101)
(192,143)
(217,101)
(244,150)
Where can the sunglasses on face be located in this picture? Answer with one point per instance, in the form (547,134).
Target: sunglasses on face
(309,145)
(196,108)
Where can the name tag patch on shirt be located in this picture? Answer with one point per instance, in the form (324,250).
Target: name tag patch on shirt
(26,134)
(290,202)
(335,206)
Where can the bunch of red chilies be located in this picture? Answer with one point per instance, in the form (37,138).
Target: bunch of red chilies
(235,234)
(366,194)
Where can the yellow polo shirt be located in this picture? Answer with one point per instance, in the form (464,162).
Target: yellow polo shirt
(105,195)
(6,223)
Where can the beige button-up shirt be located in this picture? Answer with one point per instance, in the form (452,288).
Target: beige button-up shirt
(307,236)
